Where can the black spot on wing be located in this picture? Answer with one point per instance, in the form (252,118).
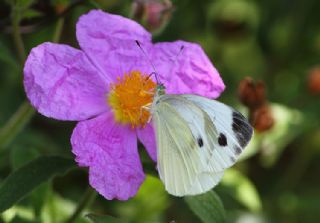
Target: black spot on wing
(233,160)
(200,141)
(241,128)
(222,140)
(237,150)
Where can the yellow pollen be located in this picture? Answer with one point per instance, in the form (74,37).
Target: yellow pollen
(129,98)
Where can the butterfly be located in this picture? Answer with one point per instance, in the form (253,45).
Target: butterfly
(197,139)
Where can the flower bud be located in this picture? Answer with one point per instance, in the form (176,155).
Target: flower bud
(262,118)
(153,14)
(251,94)
(314,81)
(60,6)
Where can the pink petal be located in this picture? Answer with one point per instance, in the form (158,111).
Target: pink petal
(61,83)
(110,151)
(190,72)
(109,41)
(147,138)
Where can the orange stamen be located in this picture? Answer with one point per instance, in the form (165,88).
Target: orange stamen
(130,96)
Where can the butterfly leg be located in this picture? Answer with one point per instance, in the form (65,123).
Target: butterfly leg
(147,92)
(146,107)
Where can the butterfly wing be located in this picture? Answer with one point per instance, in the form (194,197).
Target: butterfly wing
(178,156)
(197,139)
(234,131)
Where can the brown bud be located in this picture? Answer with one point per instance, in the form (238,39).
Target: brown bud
(60,8)
(262,118)
(314,81)
(252,94)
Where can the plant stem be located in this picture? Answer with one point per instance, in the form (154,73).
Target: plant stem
(25,112)
(87,199)
(298,166)
(17,36)
(58,30)
(15,124)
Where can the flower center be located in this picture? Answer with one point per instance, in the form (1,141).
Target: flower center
(130,97)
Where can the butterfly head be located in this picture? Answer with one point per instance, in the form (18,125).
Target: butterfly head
(160,89)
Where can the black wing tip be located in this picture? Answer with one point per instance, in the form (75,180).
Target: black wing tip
(242,129)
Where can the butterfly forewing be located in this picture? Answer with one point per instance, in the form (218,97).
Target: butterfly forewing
(183,160)
(233,128)
(197,138)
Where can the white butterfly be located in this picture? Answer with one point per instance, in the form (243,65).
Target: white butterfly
(197,139)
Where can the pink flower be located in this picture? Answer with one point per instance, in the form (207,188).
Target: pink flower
(104,86)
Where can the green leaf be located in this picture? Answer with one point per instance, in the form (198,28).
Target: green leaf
(59,209)
(38,197)
(22,3)
(242,190)
(208,207)
(28,177)
(288,125)
(104,219)
(21,155)
(31,13)
(151,198)
(6,56)
(18,219)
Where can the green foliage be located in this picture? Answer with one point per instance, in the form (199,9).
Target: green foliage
(18,219)
(22,4)
(104,219)
(288,124)
(28,177)
(276,179)
(151,190)
(59,209)
(14,125)
(208,207)
(242,190)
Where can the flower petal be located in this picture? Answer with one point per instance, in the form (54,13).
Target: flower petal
(147,138)
(61,83)
(109,41)
(189,72)
(110,151)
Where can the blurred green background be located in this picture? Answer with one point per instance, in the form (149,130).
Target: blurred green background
(275,41)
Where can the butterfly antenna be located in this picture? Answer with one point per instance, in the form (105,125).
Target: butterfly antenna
(153,67)
(178,54)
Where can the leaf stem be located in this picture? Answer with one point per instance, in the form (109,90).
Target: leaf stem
(25,112)
(58,30)
(87,199)
(17,35)
(15,124)
(298,166)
